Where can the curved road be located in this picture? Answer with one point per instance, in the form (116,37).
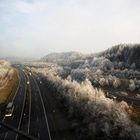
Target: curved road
(28,107)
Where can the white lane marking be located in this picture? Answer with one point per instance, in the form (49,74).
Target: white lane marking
(44,111)
(2,121)
(22,107)
(5,135)
(38,136)
(29,120)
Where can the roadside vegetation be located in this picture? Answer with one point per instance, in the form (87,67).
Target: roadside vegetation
(87,86)
(8,81)
(93,115)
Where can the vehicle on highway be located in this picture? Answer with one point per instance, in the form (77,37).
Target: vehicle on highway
(124,93)
(9,109)
(112,96)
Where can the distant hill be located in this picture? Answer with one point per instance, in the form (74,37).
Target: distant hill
(122,56)
(13,59)
(62,57)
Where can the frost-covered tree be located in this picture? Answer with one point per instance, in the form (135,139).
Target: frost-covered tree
(102,81)
(106,64)
(116,83)
(132,85)
(94,113)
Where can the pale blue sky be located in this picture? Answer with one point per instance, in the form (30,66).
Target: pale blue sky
(33,28)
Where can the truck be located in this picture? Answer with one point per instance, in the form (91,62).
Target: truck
(9,109)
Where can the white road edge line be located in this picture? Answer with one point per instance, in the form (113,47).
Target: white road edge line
(29,120)
(44,110)
(5,135)
(22,108)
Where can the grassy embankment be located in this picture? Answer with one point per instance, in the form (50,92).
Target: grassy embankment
(8,88)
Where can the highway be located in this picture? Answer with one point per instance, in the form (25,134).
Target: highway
(29,115)
(39,122)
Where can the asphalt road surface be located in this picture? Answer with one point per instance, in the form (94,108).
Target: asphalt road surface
(29,115)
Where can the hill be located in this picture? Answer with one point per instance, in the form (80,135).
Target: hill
(62,57)
(126,55)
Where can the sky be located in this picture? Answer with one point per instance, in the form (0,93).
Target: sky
(34,28)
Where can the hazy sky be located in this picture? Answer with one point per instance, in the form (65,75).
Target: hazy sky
(34,28)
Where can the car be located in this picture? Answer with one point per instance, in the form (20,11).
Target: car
(112,96)
(137,96)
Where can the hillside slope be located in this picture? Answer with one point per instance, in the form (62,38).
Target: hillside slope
(61,57)
(128,55)
(8,80)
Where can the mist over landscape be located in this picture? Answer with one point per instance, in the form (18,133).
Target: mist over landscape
(69,70)
(32,28)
